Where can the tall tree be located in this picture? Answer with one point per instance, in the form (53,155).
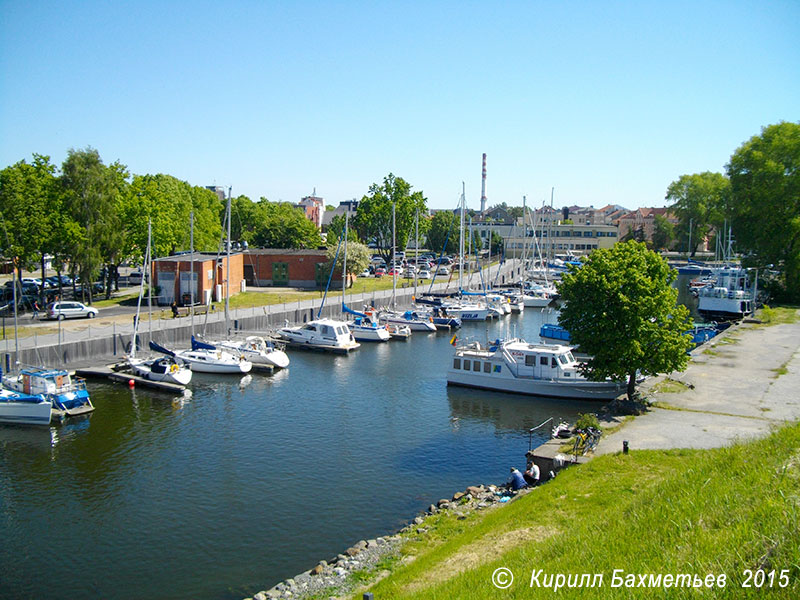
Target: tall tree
(765,201)
(283,225)
(374,217)
(621,309)
(28,209)
(444,227)
(663,233)
(698,201)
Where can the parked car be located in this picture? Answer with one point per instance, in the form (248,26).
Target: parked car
(365,273)
(68,310)
(380,271)
(135,278)
(424,274)
(443,272)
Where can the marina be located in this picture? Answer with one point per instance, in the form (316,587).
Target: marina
(298,471)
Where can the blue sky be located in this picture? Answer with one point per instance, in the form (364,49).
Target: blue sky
(607,102)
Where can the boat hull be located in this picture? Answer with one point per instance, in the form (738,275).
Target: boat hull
(585,390)
(25,412)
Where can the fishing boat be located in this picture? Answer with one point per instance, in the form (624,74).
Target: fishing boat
(24,409)
(69,398)
(322,334)
(729,297)
(533,369)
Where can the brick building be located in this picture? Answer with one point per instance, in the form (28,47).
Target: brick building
(287,268)
(172,276)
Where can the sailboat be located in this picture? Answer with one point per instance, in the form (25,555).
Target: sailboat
(163,368)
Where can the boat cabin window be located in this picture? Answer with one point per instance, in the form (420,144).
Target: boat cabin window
(543,360)
(553,361)
(466,365)
(487,367)
(476,366)
(570,358)
(530,360)
(456,363)
(310,328)
(326,330)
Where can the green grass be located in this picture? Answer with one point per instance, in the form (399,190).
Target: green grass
(682,511)
(778,315)
(670,386)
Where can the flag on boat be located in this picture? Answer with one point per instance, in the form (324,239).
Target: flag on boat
(453,340)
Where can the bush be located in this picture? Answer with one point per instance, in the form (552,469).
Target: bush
(587,420)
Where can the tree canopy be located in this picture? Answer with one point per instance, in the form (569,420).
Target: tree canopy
(374,217)
(698,199)
(283,225)
(444,226)
(765,202)
(621,309)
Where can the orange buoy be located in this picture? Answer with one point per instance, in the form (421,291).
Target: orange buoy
(131,383)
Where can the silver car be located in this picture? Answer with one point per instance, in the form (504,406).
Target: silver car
(68,310)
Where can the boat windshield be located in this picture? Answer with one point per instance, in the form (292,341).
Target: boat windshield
(570,358)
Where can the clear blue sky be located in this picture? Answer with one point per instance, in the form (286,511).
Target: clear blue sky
(607,102)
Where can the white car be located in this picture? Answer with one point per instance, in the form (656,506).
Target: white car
(365,273)
(442,271)
(69,310)
(424,274)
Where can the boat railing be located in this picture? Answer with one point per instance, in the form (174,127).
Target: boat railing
(512,364)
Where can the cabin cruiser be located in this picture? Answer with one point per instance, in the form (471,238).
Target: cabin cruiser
(24,409)
(534,369)
(323,334)
(68,398)
(365,328)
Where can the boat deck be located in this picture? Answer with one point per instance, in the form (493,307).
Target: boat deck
(116,374)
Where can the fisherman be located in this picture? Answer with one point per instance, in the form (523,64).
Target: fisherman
(532,474)
(517,482)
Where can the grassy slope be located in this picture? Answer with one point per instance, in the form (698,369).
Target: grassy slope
(682,511)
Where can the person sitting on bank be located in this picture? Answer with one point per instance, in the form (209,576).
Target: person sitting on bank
(517,482)
(531,475)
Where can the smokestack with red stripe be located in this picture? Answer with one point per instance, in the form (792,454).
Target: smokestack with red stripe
(483,185)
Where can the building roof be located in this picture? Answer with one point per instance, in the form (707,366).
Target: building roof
(198,257)
(287,251)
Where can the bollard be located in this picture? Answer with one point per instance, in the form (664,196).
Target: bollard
(368,596)
(624,446)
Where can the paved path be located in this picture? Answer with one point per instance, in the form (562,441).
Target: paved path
(740,391)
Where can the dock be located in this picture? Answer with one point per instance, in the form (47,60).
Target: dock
(299,346)
(115,375)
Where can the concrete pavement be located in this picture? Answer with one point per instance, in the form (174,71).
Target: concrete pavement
(740,386)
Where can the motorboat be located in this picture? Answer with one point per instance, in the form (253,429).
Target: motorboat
(68,397)
(258,350)
(322,334)
(729,297)
(365,328)
(519,367)
(24,409)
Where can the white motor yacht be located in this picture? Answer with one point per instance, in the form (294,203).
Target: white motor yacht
(24,409)
(323,334)
(535,369)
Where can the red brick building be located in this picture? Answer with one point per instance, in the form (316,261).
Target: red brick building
(280,267)
(172,276)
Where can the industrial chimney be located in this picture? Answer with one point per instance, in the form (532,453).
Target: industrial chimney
(483,185)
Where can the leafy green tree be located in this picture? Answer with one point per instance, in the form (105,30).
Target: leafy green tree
(336,229)
(663,233)
(444,226)
(374,217)
(698,199)
(90,191)
(477,242)
(497,243)
(358,257)
(28,205)
(283,225)
(244,218)
(765,203)
(621,309)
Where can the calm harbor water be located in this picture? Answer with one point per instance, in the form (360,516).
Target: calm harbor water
(255,479)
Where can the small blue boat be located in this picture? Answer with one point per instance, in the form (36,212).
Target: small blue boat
(69,398)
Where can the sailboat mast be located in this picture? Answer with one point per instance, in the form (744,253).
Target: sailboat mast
(228,266)
(524,236)
(461,239)
(344,266)
(148,273)
(416,247)
(191,265)
(394,260)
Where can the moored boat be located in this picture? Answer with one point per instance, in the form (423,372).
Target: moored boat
(322,334)
(18,408)
(533,369)
(68,397)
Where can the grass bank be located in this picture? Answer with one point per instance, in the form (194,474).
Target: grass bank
(701,512)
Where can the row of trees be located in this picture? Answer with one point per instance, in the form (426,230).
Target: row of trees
(758,197)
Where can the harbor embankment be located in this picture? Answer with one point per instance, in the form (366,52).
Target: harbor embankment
(109,342)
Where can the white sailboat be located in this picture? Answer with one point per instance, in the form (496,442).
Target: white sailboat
(163,368)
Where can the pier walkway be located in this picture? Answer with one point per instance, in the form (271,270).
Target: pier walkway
(739,386)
